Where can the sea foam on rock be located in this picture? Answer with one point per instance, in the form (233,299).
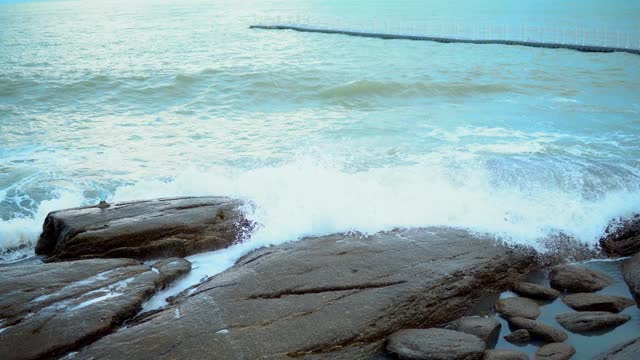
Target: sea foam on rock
(623,237)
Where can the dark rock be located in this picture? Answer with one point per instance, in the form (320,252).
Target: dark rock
(586,321)
(48,309)
(622,237)
(577,279)
(518,337)
(487,329)
(538,330)
(319,295)
(597,302)
(518,307)
(143,229)
(504,355)
(535,291)
(555,351)
(631,272)
(625,351)
(434,344)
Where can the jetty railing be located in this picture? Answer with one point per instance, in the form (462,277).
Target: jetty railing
(581,38)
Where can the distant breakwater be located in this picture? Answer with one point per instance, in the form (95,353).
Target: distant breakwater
(444,39)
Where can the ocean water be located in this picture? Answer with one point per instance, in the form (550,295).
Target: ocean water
(123,100)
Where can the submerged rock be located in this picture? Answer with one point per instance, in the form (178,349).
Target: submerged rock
(535,291)
(142,229)
(435,344)
(538,330)
(631,272)
(487,329)
(625,351)
(518,307)
(519,336)
(555,351)
(597,302)
(577,279)
(623,237)
(48,309)
(504,355)
(586,321)
(322,295)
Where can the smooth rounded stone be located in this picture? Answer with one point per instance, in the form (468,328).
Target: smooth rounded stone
(149,229)
(501,354)
(518,307)
(555,351)
(623,237)
(435,344)
(538,330)
(519,336)
(625,351)
(631,273)
(572,278)
(597,302)
(586,321)
(487,329)
(535,291)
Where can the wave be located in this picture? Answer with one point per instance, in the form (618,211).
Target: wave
(361,88)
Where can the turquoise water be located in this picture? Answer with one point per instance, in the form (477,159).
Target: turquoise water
(323,133)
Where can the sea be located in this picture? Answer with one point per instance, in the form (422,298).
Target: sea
(320,133)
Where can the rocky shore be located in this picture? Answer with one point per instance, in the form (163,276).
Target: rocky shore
(428,293)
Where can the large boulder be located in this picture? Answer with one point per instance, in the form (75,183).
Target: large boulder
(48,309)
(538,330)
(323,295)
(518,307)
(586,321)
(625,351)
(535,291)
(631,272)
(435,344)
(143,229)
(486,328)
(622,237)
(572,278)
(597,302)
(555,351)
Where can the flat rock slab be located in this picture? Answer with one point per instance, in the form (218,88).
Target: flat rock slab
(518,307)
(538,330)
(631,272)
(535,291)
(150,229)
(624,351)
(320,295)
(487,329)
(586,321)
(555,351)
(434,344)
(572,278)
(597,302)
(623,237)
(519,336)
(500,354)
(48,309)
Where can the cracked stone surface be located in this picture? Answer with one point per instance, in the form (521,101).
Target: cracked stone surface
(49,309)
(149,229)
(624,351)
(326,297)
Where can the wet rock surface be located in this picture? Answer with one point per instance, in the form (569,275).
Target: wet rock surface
(518,307)
(434,344)
(622,237)
(323,295)
(538,330)
(485,328)
(572,278)
(631,273)
(625,351)
(174,227)
(586,321)
(48,309)
(534,291)
(504,355)
(555,351)
(597,302)
(519,336)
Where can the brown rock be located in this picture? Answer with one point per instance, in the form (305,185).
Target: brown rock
(504,355)
(535,291)
(48,309)
(631,272)
(577,279)
(538,330)
(555,351)
(142,229)
(519,336)
(434,344)
(586,321)
(321,294)
(625,351)
(623,237)
(487,329)
(518,307)
(597,302)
